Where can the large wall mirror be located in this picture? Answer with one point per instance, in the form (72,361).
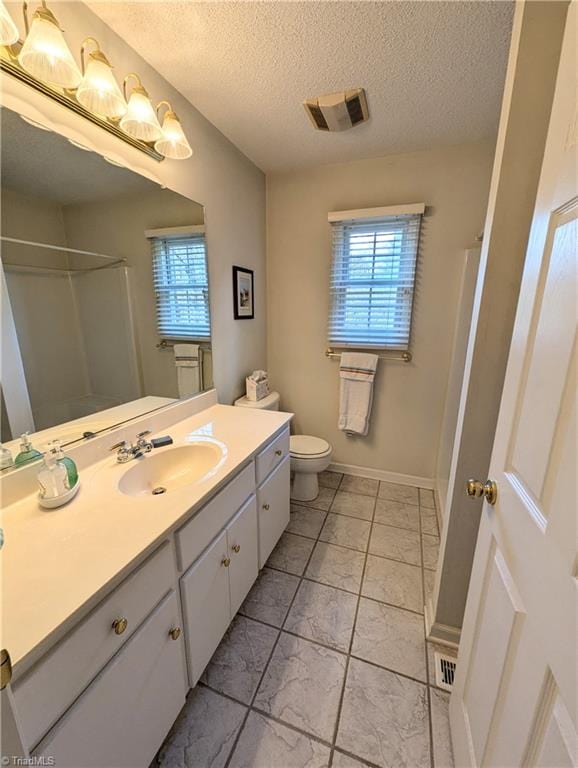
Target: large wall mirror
(105,295)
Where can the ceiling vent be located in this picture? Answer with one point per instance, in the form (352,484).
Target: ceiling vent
(338,111)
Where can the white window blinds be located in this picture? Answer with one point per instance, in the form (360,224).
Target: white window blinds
(182,286)
(372,279)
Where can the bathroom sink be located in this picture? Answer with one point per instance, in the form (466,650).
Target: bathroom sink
(159,473)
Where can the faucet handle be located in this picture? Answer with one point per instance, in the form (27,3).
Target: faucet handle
(122,444)
(144,434)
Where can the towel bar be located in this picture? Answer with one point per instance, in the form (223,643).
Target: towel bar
(405,357)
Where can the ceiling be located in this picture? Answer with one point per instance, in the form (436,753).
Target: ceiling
(433,70)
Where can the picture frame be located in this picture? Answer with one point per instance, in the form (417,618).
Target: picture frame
(243,294)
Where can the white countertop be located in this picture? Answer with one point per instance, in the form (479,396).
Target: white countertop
(55,564)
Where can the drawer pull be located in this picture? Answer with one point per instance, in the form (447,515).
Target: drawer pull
(119,625)
(266,506)
(236,547)
(226,561)
(175,633)
(278,453)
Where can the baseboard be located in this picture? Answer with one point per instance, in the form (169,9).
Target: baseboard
(383,474)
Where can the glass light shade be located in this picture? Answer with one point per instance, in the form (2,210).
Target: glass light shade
(173,143)
(140,120)
(8,29)
(47,57)
(99,92)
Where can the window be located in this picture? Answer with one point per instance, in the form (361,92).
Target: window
(181,284)
(372,276)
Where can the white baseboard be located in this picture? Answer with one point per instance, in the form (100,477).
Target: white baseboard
(440,634)
(383,474)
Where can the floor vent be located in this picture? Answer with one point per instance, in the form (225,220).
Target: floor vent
(445,671)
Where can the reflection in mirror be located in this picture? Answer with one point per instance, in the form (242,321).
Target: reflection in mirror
(105,297)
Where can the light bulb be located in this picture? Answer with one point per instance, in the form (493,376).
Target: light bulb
(140,120)
(8,29)
(173,143)
(99,92)
(45,54)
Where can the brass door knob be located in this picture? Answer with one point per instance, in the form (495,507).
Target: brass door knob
(119,625)
(475,489)
(226,561)
(278,453)
(266,506)
(236,547)
(175,633)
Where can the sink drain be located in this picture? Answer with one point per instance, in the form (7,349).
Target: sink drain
(160,489)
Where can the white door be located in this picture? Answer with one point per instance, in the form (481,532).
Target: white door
(514,698)
(243,551)
(206,605)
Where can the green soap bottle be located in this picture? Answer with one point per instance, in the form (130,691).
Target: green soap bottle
(66,461)
(27,452)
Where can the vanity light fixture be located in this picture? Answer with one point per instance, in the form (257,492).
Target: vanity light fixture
(8,29)
(173,143)
(43,61)
(140,120)
(99,92)
(45,54)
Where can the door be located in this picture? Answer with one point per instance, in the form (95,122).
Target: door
(206,605)
(273,509)
(124,715)
(514,698)
(243,552)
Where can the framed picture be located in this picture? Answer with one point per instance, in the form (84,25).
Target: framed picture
(243,293)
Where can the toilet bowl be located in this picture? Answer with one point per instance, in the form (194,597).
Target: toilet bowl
(309,456)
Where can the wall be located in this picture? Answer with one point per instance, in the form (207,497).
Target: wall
(116,226)
(409,398)
(218,175)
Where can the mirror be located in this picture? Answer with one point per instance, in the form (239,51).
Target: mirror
(103,272)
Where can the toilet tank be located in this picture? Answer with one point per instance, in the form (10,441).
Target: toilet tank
(269,403)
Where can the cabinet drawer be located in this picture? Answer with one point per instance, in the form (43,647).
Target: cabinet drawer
(193,537)
(51,686)
(124,715)
(273,509)
(272,455)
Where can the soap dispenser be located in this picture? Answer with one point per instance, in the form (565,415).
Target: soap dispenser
(52,478)
(66,461)
(27,452)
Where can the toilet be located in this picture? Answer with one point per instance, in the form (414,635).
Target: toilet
(309,455)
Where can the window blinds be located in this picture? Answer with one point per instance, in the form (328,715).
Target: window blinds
(182,286)
(372,281)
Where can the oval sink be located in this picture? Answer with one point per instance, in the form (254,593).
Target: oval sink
(159,473)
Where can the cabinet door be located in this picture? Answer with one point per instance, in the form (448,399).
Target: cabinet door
(273,509)
(206,605)
(123,716)
(244,554)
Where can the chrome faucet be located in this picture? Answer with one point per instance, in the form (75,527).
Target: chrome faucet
(128,450)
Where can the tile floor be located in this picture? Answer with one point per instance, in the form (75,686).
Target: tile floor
(326,663)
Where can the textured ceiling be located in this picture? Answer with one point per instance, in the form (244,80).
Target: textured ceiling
(433,71)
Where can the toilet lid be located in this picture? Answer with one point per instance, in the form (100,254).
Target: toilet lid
(307,445)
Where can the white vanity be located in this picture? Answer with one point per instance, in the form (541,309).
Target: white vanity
(114,604)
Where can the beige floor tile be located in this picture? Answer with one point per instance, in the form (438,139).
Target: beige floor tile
(397,492)
(323,614)
(329,479)
(395,543)
(431,547)
(270,597)
(353,505)
(291,553)
(336,566)
(362,485)
(346,531)
(306,521)
(397,513)
(392,582)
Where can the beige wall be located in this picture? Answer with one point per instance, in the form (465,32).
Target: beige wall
(218,175)
(409,398)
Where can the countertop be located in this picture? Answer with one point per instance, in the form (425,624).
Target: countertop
(57,564)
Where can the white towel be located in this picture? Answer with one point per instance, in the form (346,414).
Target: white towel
(187,363)
(356,374)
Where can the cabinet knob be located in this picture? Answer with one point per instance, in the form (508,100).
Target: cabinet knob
(236,547)
(266,506)
(278,453)
(175,633)
(119,625)
(226,561)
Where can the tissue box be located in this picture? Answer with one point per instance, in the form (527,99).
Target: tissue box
(256,390)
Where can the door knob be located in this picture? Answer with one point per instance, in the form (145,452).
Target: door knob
(475,489)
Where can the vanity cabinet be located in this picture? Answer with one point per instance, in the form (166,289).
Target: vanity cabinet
(214,587)
(273,509)
(123,716)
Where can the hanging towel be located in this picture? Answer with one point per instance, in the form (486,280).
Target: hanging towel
(187,363)
(356,374)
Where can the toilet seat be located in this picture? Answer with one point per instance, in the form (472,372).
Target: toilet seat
(308,447)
